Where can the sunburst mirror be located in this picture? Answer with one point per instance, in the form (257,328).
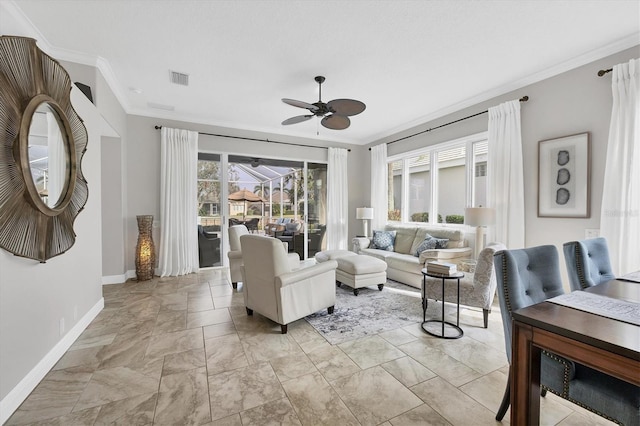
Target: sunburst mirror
(42,188)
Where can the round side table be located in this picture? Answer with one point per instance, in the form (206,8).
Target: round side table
(453,330)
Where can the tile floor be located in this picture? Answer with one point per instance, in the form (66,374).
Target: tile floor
(178,351)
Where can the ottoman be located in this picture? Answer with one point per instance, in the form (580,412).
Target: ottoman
(323,256)
(355,270)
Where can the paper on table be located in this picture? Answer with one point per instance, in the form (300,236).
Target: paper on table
(632,276)
(621,310)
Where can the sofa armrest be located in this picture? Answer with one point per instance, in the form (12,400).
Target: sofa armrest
(360,243)
(452,255)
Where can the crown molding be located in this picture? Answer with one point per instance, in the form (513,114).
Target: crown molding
(28,29)
(578,61)
(105,69)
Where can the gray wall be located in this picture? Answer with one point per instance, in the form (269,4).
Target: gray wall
(573,102)
(34,297)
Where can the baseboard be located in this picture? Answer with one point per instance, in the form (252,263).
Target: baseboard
(114,279)
(18,394)
(118,279)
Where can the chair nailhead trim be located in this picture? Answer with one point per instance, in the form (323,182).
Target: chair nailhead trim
(580,267)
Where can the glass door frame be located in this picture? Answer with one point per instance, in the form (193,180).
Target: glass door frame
(225,210)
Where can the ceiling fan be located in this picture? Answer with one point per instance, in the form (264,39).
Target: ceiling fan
(335,114)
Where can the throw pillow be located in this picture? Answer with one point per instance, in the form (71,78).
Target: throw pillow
(383,240)
(429,243)
(292,227)
(442,243)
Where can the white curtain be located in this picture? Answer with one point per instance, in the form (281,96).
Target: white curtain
(620,215)
(337,199)
(505,174)
(178,200)
(379,189)
(57,165)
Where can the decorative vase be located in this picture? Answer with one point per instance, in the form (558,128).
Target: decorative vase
(145,250)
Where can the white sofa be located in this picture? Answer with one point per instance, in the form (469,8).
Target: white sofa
(402,265)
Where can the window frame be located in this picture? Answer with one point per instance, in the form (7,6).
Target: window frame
(468,143)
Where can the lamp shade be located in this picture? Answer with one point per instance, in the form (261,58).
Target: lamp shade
(364,213)
(479,216)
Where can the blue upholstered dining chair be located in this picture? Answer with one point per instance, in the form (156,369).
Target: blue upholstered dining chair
(587,262)
(532,275)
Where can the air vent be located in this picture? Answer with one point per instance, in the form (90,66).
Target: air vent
(179,78)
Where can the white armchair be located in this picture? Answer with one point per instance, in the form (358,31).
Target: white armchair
(274,289)
(235,254)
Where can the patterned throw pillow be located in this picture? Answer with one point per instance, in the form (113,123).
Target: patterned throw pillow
(442,243)
(429,243)
(383,240)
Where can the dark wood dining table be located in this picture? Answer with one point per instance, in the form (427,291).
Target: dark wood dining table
(605,344)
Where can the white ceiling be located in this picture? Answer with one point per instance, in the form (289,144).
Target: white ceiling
(408,61)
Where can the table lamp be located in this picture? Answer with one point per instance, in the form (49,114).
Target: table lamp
(479,217)
(365,214)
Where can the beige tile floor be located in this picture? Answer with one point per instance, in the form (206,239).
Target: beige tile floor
(178,351)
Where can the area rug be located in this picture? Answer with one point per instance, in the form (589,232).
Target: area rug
(371,312)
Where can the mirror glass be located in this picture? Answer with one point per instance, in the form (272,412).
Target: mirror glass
(47,155)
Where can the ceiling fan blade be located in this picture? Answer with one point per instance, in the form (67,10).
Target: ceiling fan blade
(336,122)
(300,104)
(297,119)
(346,106)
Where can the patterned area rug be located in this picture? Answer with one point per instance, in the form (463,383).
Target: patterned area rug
(371,312)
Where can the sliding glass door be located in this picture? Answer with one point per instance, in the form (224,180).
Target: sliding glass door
(210,212)
(285,199)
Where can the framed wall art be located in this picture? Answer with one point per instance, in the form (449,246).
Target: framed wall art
(563,177)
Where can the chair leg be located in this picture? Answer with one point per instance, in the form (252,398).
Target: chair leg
(506,399)
(485,315)
(338,283)
(330,310)
(283,328)
(380,287)
(356,291)
(235,285)
(543,392)
(249,311)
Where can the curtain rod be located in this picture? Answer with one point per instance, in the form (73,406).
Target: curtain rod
(522,99)
(257,140)
(603,72)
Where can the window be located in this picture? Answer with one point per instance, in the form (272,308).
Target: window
(435,184)
(209,189)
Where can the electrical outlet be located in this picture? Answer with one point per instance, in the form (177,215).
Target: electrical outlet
(61,326)
(591,233)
